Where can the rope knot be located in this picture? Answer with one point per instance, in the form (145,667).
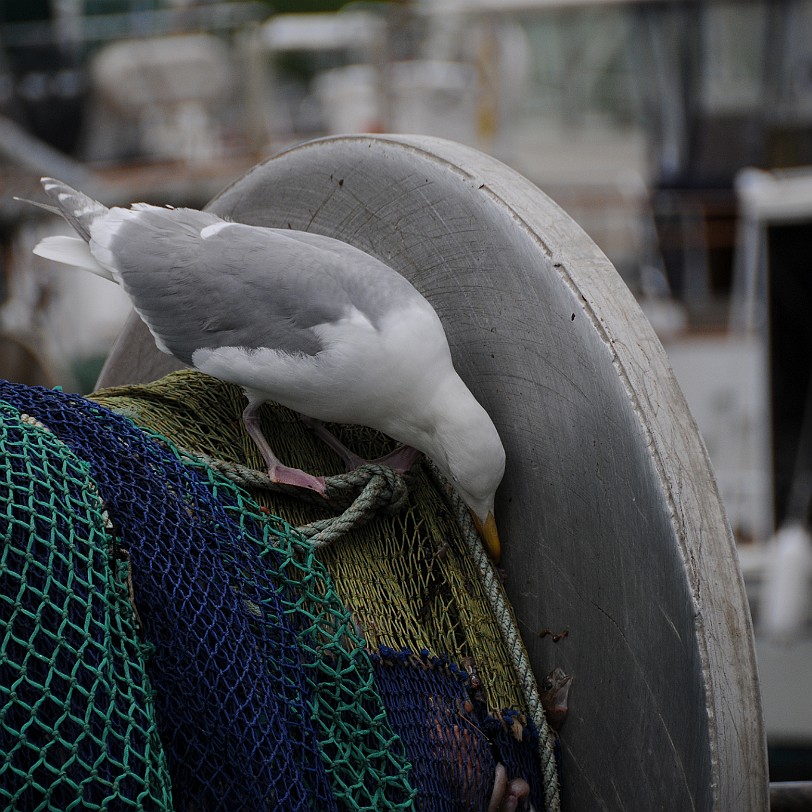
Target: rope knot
(382,490)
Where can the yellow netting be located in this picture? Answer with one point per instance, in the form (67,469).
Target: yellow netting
(406,578)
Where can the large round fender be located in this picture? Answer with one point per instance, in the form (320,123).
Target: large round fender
(611,522)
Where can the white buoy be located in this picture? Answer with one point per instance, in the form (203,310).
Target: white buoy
(785,598)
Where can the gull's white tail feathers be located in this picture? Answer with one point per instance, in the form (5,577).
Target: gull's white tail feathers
(80,212)
(71,251)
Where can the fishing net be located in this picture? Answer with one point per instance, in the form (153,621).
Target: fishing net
(77,727)
(249,661)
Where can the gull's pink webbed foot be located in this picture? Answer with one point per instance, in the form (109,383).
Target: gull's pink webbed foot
(279,473)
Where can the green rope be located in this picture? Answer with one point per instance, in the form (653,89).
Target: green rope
(373,488)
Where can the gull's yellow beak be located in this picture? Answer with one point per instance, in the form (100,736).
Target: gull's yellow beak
(490,535)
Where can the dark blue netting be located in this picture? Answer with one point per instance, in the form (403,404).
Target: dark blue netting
(453,743)
(431,709)
(519,755)
(264,696)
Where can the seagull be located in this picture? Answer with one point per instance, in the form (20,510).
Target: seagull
(297,318)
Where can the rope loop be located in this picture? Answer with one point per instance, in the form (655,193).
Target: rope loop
(379,484)
(364,492)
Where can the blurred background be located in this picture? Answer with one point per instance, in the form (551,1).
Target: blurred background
(678,134)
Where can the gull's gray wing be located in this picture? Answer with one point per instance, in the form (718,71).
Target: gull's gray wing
(198,281)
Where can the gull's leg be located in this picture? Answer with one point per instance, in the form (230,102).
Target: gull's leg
(350,459)
(400,460)
(279,473)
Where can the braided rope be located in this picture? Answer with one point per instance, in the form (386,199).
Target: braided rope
(384,491)
(510,634)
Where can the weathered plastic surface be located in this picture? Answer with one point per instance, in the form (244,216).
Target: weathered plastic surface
(610,517)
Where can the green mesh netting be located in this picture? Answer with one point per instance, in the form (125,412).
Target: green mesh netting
(77,724)
(373,672)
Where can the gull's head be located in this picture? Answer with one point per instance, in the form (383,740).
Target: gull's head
(470,454)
